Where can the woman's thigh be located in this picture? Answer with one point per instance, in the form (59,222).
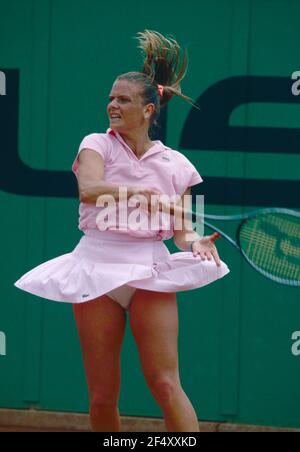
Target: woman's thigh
(101,326)
(154,324)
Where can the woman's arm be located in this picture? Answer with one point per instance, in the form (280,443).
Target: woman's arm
(203,246)
(90,177)
(91,183)
(184,237)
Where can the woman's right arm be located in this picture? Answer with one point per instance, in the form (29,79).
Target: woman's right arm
(91,184)
(90,177)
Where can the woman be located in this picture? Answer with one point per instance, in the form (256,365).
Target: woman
(119,268)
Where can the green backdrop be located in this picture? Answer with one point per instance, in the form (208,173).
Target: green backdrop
(60,58)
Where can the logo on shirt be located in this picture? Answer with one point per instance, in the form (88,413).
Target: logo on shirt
(165,157)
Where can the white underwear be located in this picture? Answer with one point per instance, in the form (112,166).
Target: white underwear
(122,295)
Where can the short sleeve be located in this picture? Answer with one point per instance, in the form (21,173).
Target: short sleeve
(97,142)
(192,176)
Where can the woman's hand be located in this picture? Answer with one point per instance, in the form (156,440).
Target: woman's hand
(206,248)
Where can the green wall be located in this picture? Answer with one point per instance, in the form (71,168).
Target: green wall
(60,58)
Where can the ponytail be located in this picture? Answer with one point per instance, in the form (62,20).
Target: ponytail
(164,63)
(162,72)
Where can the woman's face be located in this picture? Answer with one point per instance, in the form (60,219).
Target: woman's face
(125,110)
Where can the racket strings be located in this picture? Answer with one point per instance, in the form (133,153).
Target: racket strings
(285,246)
(272,243)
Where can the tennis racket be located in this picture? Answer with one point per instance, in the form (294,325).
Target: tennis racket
(269,240)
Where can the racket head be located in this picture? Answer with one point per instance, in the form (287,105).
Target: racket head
(270,242)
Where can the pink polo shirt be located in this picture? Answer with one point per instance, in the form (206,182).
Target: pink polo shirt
(160,168)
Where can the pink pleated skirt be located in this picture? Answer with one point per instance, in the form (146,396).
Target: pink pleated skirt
(103,261)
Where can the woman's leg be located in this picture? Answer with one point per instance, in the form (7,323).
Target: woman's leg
(154,324)
(101,326)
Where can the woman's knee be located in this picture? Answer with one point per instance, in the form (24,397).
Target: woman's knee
(101,400)
(164,387)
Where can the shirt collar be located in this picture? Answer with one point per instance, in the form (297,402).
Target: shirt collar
(157,147)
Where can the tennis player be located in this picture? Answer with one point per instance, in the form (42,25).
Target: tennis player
(125,269)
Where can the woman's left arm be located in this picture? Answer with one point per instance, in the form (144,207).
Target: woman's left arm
(186,236)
